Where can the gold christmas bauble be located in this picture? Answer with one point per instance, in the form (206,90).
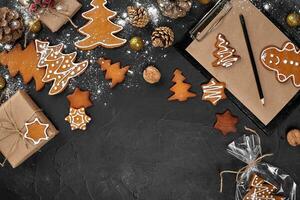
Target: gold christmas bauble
(204,1)
(35,26)
(151,75)
(293,19)
(2,83)
(136,43)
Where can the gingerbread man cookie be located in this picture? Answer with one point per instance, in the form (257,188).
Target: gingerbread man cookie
(285,62)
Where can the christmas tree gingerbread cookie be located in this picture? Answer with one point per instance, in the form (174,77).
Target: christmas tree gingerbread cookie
(285,62)
(24,62)
(261,189)
(180,88)
(99,31)
(113,72)
(60,68)
(224,53)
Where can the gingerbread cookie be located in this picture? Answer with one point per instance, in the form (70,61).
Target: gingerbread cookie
(60,68)
(99,31)
(113,72)
(79,99)
(285,62)
(36,131)
(24,62)
(78,119)
(226,123)
(261,189)
(180,88)
(213,91)
(224,53)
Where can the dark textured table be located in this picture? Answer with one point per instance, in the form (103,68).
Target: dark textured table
(139,145)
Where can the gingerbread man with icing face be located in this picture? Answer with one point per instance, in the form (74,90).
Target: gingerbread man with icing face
(285,62)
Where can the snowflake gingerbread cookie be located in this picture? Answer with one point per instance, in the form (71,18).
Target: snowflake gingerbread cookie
(285,62)
(60,68)
(99,31)
(224,53)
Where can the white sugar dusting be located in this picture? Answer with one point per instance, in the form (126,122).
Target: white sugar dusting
(154,14)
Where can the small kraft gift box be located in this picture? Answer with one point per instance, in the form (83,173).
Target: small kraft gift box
(24,129)
(56,16)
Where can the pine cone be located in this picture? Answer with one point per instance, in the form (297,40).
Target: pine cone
(162,37)
(174,8)
(11,25)
(138,16)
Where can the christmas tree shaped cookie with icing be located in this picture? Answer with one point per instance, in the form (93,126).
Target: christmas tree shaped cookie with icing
(100,30)
(60,68)
(224,53)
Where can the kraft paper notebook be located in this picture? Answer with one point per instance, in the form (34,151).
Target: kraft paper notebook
(239,78)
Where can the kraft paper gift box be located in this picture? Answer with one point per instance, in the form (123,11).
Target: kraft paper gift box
(14,113)
(55,19)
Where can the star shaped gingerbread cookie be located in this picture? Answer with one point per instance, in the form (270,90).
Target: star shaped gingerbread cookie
(226,123)
(79,99)
(36,131)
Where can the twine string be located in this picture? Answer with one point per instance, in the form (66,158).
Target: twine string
(245,168)
(13,129)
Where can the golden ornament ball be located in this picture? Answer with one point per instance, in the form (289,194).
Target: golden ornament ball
(35,26)
(2,83)
(151,75)
(293,19)
(136,43)
(204,1)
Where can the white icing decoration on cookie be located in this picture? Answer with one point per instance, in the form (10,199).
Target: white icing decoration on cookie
(282,58)
(226,57)
(91,20)
(56,70)
(213,91)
